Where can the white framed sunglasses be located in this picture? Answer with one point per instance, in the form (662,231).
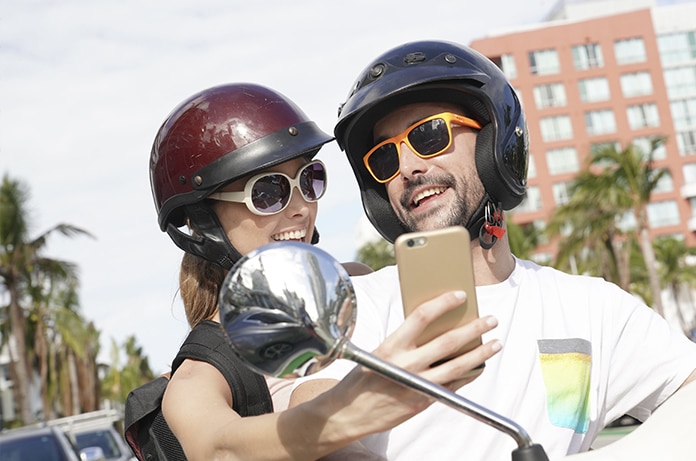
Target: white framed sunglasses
(270,192)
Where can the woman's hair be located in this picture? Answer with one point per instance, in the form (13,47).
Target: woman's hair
(199,285)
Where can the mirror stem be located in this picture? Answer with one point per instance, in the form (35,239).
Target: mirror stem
(447,397)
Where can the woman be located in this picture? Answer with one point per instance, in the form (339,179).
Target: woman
(234,164)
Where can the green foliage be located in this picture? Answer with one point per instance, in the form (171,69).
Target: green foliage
(612,190)
(523,239)
(377,254)
(51,337)
(120,380)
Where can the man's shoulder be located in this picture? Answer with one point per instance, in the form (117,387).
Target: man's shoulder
(380,277)
(527,271)
(531,268)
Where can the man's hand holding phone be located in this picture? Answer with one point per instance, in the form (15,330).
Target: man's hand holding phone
(430,264)
(404,347)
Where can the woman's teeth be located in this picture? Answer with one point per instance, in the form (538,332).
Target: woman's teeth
(291,235)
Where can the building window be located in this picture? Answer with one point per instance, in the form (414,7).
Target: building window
(508,65)
(636,84)
(686,140)
(680,82)
(556,128)
(560,193)
(531,167)
(587,56)
(544,62)
(594,89)
(665,184)
(684,113)
(689,170)
(629,50)
(519,96)
(662,214)
(642,116)
(564,160)
(531,202)
(600,122)
(644,144)
(692,203)
(538,226)
(626,221)
(677,48)
(552,95)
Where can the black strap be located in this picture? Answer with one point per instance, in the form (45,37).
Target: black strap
(147,432)
(207,342)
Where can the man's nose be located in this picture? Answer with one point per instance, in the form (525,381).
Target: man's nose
(411,164)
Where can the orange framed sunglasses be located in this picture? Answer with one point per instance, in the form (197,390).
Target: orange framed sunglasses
(426,138)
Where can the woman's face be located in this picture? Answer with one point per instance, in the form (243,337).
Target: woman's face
(248,231)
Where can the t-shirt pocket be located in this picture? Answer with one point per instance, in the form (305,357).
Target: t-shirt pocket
(565,367)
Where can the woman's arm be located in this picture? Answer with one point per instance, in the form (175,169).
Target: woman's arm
(197,403)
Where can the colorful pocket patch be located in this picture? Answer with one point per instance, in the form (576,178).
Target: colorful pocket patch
(565,366)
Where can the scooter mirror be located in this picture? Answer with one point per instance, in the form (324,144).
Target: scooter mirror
(285,305)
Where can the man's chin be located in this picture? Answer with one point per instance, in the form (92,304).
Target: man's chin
(433,220)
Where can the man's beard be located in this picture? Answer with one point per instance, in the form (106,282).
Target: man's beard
(458,212)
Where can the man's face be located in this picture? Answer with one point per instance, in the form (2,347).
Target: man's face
(435,192)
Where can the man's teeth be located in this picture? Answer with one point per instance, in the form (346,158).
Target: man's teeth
(427,193)
(292,235)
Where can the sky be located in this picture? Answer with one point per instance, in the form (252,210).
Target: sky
(85,85)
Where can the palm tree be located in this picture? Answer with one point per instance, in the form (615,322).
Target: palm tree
(119,381)
(55,324)
(633,180)
(76,346)
(589,226)
(675,271)
(523,240)
(22,267)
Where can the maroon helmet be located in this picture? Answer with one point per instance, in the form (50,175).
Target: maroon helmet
(213,138)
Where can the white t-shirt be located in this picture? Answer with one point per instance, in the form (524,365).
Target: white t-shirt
(578,352)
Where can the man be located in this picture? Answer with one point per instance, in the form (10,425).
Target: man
(436,137)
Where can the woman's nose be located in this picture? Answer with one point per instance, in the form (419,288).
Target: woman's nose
(298,205)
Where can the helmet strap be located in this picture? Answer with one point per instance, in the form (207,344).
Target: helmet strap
(486,223)
(209,240)
(492,229)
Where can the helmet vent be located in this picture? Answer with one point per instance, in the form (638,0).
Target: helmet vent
(412,58)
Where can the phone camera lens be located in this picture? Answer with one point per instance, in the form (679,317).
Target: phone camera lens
(410,242)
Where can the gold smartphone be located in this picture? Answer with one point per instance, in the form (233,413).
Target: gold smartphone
(431,263)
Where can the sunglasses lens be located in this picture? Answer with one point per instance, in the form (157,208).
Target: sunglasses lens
(430,138)
(384,161)
(270,193)
(313,181)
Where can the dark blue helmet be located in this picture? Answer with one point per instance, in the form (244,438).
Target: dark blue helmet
(436,71)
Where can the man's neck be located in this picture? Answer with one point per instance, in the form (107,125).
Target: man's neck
(494,265)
